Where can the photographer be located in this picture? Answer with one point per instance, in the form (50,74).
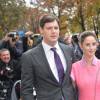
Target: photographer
(27,41)
(9,42)
(30,40)
(9,73)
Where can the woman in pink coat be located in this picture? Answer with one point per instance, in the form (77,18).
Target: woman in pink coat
(85,73)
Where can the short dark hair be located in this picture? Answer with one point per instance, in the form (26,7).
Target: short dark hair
(85,34)
(47,18)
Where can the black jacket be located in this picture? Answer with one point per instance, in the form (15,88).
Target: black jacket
(10,70)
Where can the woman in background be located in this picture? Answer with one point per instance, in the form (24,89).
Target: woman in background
(85,73)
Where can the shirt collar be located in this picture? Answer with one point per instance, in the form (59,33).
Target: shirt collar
(48,47)
(94,62)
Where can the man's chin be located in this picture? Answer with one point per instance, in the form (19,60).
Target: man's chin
(7,61)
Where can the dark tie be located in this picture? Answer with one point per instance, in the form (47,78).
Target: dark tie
(59,65)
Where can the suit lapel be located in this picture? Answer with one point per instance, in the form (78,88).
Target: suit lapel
(43,60)
(68,59)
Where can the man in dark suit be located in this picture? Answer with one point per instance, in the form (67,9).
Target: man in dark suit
(39,68)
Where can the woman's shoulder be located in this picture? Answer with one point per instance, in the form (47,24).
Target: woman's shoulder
(77,64)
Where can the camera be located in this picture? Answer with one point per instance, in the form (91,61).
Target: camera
(31,37)
(12,35)
(9,72)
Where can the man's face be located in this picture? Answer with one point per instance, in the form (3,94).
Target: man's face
(5,56)
(50,32)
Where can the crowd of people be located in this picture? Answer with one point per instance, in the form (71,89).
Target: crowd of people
(12,46)
(55,68)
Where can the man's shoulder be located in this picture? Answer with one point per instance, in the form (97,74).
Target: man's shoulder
(64,45)
(33,50)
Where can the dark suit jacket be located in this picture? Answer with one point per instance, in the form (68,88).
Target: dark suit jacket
(36,72)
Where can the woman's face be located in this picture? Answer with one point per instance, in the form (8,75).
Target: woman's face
(89,46)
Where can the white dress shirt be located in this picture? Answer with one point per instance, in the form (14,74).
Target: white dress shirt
(50,58)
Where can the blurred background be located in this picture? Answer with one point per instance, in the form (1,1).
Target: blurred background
(75,15)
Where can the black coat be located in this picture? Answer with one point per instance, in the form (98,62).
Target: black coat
(10,70)
(9,74)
